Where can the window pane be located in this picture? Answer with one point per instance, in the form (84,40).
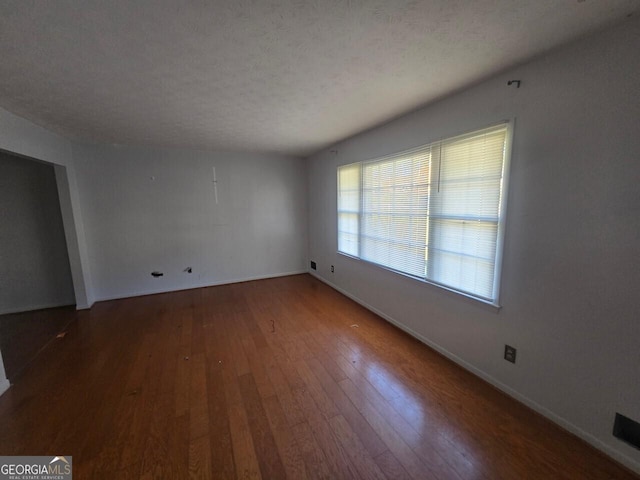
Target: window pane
(465,212)
(467,274)
(394,212)
(473,238)
(348,208)
(348,243)
(462,255)
(475,199)
(433,212)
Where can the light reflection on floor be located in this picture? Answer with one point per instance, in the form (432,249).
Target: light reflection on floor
(412,408)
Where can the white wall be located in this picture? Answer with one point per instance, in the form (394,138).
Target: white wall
(148,210)
(571,266)
(23,138)
(33,251)
(4,383)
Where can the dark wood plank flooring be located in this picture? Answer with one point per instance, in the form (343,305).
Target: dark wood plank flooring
(271,379)
(23,335)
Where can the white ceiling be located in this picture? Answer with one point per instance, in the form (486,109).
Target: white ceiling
(287,76)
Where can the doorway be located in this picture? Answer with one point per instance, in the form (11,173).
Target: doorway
(35,274)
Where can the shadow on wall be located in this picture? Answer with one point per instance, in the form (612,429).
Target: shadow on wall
(35,262)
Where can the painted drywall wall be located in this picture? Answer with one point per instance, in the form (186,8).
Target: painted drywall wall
(571,266)
(33,251)
(25,139)
(156,210)
(4,382)
(22,137)
(74,234)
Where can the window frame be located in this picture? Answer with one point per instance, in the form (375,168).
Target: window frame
(501,224)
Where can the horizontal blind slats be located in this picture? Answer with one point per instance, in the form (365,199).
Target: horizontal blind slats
(431,212)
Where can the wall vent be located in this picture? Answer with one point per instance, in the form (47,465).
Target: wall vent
(627,430)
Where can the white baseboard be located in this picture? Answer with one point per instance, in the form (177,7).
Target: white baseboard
(4,386)
(200,285)
(558,420)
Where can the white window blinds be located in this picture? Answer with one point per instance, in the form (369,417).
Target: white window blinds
(433,212)
(395,199)
(349,208)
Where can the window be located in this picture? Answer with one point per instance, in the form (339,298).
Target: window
(434,212)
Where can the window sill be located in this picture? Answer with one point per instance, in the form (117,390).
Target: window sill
(494,307)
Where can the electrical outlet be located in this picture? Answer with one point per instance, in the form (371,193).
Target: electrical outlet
(510,353)
(332,270)
(313,265)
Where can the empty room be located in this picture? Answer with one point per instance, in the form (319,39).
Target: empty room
(320,239)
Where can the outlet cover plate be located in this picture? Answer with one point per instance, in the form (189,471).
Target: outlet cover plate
(510,353)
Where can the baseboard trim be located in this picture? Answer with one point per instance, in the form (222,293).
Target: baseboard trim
(202,285)
(558,420)
(4,386)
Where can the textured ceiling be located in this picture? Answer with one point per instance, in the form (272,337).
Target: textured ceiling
(274,76)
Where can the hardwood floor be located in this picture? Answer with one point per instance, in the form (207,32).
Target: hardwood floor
(23,335)
(280,378)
